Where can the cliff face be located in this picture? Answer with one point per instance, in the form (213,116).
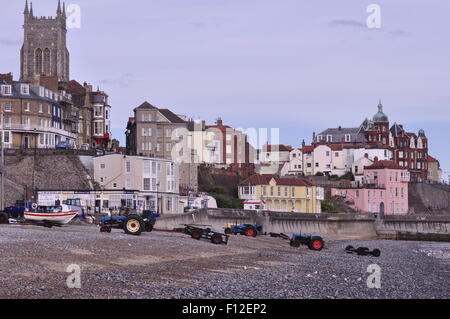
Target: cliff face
(26,173)
(429,198)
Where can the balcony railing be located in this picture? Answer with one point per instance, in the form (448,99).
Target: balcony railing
(39,129)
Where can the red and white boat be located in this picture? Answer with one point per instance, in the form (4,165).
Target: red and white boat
(51,214)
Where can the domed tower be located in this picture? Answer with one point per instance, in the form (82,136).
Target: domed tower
(380,130)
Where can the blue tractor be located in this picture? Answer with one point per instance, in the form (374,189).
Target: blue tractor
(132,224)
(312,241)
(244,229)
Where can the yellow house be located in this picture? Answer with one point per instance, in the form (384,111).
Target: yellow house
(282,194)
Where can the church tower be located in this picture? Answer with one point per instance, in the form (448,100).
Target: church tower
(44,50)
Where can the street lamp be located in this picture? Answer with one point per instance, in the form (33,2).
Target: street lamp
(157,197)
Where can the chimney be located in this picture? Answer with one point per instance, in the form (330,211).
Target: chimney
(219,121)
(314,137)
(8,78)
(303,143)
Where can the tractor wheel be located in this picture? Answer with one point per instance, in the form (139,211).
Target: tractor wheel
(3,218)
(133,225)
(148,227)
(316,244)
(250,232)
(105,229)
(216,239)
(376,252)
(295,243)
(196,235)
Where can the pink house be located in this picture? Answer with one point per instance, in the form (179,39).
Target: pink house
(384,190)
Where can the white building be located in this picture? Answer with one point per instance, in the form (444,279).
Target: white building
(155,179)
(331,159)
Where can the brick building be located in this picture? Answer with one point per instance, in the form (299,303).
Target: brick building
(409,150)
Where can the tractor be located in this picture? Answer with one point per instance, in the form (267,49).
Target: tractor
(244,229)
(312,241)
(132,224)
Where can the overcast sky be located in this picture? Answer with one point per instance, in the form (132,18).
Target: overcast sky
(297,65)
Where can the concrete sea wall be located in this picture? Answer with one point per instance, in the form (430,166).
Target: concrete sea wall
(335,224)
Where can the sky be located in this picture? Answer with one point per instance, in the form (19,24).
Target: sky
(298,65)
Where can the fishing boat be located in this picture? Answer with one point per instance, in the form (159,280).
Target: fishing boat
(50,214)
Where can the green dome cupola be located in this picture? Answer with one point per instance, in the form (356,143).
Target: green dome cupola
(380,116)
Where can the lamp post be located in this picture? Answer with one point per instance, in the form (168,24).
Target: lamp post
(157,198)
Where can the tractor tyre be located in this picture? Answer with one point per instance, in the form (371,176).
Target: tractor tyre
(216,239)
(316,244)
(4,218)
(376,252)
(349,248)
(295,243)
(196,235)
(133,225)
(250,232)
(105,229)
(148,227)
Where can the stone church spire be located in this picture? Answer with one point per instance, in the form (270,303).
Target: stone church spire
(58,11)
(26,11)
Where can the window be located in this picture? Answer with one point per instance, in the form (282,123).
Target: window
(98,128)
(158,147)
(128,166)
(169,132)
(27,106)
(168,147)
(7,121)
(41,108)
(7,106)
(102,166)
(154,167)
(147,182)
(228,149)
(6,90)
(329,138)
(146,117)
(146,146)
(147,168)
(336,154)
(25,89)
(114,185)
(317,164)
(347,137)
(146,131)
(328,153)
(47,61)
(38,61)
